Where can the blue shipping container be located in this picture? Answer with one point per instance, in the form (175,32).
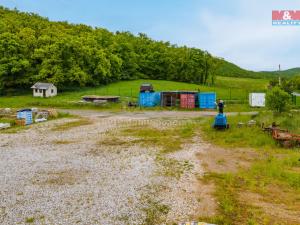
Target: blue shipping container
(207,100)
(25,114)
(149,99)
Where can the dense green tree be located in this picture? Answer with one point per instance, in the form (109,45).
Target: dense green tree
(289,85)
(34,49)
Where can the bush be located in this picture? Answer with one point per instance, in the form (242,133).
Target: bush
(278,100)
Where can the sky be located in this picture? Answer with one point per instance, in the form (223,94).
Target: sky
(239,31)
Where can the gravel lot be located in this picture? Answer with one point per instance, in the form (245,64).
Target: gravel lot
(66,177)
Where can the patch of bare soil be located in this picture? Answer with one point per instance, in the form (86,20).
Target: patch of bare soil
(61,177)
(278,213)
(220,160)
(280,206)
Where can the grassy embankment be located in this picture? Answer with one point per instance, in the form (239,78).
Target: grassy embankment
(267,191)
(226,88)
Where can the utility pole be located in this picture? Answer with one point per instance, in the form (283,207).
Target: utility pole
(279,78)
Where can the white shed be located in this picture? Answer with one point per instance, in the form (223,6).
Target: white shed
(257,99)
(44,90)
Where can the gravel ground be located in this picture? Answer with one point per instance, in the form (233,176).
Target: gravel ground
(55,177)
(188,197)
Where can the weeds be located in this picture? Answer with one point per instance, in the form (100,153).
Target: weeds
(168,140)
(238,136)
(231,209)
(14,130)
(271,179)
(274,177)
(290,121)
(72,124)
(29,220)
(111,140)
(155,211)
(172,167)
(65,177)
(275,170)
(62,142)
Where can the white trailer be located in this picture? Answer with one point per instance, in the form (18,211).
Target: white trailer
(257,99)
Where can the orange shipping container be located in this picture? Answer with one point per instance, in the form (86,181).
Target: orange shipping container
(187,101)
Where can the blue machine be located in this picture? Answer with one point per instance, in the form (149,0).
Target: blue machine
(221,122)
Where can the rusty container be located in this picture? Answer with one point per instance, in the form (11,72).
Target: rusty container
(187,101)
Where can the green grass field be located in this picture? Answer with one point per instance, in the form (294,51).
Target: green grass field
(226,88)
(298,101)
(246,136)
(272,173)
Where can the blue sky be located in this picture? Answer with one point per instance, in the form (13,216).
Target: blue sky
(238,30)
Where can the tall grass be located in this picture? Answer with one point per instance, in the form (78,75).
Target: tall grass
(275,170)
(252,136)
(290,120)
(236,136)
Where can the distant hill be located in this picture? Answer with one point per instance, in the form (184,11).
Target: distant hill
(286,73)
(228,69)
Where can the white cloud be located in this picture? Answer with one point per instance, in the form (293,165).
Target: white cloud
(247,37)
(251,43)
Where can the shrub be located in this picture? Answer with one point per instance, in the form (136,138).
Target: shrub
(278,100)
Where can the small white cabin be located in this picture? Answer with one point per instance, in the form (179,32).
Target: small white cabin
(257,99)
(44,90)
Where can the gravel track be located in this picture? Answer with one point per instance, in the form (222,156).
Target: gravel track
(55,177)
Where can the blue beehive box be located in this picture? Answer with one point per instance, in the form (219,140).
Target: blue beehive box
(149,99)
(207,100)
(25,114)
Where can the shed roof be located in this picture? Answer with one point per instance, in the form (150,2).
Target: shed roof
(296,94)
(44,86)
(179,92)
(24,110)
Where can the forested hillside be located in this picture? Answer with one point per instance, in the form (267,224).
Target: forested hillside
(34,49)
(286,73)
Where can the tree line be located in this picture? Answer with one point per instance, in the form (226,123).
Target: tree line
(289,85)
(32,49)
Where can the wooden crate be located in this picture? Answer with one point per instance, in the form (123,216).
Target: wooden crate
(20,122)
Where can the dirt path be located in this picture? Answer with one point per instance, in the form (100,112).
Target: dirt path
(66,177)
